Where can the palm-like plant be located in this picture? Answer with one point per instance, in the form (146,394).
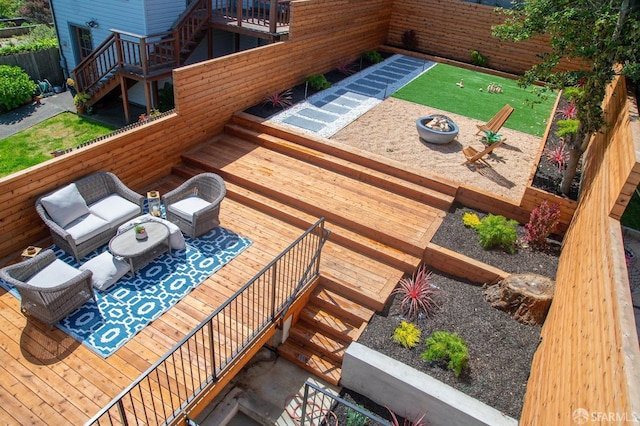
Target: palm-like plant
(491,137)
(280,99)
(418,294)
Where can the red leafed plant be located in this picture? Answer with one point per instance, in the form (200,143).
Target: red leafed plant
(559,155)
(542,222)
(417,421)
(345,66)
(280,99)
(418,294)
(568,112)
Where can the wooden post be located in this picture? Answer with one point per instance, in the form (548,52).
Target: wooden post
(273,16)
(144,60)
(147,96)
(125,98)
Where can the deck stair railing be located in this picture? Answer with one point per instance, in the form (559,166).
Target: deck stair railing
(143,56)
(318,407)
(162,393)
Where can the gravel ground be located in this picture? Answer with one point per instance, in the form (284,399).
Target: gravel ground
(501,349)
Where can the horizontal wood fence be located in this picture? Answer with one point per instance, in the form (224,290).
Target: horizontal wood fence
(452,29)
(585,359)
(206,96)
(588,357)
(39,64)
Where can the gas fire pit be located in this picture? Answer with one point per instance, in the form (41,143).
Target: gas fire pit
(437,129)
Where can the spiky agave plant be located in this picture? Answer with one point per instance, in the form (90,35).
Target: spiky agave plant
(280,99)
(418,294)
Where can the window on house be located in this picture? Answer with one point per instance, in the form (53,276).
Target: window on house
(83,42)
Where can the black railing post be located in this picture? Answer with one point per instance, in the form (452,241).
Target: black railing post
(274,282)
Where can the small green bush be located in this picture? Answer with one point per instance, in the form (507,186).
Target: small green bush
(356,418)
(407,335)
(16,87)
(318,82)
(478,59)
(498,231)
(372,56)
(36,45)
(448,347)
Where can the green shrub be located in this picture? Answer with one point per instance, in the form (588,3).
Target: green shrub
(16,87)
(318,82)
(448,347)
(470,220)
(478,59)
(407,335)
(36,45)
(372,56)
(356,418)
(498,231)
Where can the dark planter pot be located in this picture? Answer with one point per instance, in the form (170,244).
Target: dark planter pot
(435,136)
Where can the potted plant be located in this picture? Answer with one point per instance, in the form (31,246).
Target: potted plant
(81,101)
(490,137)
(141,232)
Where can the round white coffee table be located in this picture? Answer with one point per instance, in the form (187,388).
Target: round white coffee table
(140,252)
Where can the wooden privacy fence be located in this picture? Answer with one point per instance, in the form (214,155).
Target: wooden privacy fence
(39,64)
(588,358)
(453,29)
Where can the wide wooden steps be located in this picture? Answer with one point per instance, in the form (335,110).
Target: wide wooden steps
(380,218)
(376,213)
(328,324)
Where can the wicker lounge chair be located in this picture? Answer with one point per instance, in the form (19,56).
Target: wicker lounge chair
(49,288)
(195,205)
(497,121)
(474,155)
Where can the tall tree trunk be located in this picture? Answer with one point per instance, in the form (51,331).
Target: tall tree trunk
(570,171)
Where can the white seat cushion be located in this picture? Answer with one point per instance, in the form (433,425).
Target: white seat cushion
(186,207)
(114,209)
(176,239)
(106,269)
(54,274)
(87,227)
(65,205)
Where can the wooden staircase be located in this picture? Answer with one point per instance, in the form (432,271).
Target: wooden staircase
(367,205)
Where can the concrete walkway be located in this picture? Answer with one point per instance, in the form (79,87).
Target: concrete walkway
(329,111)
(29,115)
(110,113)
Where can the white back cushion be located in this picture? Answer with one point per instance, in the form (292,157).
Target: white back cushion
(65,205)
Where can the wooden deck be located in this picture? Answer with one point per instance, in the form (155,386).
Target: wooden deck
(378,234)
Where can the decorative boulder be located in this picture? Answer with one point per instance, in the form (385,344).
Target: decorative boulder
(526,297)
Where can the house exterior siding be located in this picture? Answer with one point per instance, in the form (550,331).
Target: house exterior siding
(133,16)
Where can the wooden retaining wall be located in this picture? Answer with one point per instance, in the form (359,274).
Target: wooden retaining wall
(206,96)
(588,358)
(452,29)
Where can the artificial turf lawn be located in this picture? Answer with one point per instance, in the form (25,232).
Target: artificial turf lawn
(437,88)
(35,144)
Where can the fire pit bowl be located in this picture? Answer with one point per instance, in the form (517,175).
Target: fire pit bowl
(434,133)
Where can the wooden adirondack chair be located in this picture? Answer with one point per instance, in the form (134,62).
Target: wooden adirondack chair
(497,121)
(474,155)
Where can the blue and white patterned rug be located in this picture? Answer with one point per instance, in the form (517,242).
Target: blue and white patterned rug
(107,323)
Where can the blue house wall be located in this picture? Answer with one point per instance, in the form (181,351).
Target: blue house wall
(142,17)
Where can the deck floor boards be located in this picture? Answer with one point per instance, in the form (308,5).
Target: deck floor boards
(49,378)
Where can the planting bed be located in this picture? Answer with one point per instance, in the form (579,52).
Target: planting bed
(501,349)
